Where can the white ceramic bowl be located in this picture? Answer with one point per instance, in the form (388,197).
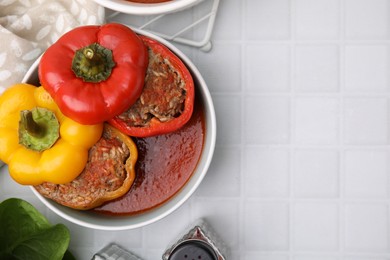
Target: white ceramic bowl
(105,222)
(124,6)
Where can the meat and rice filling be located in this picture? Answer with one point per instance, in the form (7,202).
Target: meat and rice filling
(104,172)
(162,97)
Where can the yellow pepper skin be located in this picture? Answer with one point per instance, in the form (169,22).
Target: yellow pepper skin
(60,163)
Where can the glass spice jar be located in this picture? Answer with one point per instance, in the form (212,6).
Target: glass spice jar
(114,252)
(199,243)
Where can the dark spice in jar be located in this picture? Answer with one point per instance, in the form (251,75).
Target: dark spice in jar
(200,242)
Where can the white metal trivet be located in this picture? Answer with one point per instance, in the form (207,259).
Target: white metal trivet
(146,23)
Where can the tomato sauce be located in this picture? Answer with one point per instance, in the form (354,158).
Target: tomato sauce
(165,164)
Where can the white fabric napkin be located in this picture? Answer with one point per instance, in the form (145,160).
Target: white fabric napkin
(28,27)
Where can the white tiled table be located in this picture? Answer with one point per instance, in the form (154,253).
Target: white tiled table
(302,163)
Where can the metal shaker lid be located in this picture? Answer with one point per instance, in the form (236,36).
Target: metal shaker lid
(193,250)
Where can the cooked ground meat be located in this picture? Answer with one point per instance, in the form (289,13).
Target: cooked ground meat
(162,97)
(104,172)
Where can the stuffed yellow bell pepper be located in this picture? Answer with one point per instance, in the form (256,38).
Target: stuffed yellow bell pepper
(37,141)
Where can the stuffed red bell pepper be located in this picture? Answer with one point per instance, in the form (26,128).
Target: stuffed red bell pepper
(167,100)
(95,72)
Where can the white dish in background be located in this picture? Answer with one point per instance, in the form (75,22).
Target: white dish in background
(106,222)
(128,7)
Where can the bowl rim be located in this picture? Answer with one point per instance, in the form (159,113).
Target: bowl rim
(181,196)
(127,7)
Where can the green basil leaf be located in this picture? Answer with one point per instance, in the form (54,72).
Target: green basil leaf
(26,234)
(68,256)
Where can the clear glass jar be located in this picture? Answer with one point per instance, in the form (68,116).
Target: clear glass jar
(114,252)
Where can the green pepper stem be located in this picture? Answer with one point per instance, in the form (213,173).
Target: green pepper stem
(93,63)
(32,127)
(39,129)
(89,53)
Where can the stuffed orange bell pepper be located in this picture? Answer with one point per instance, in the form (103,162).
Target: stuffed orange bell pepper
(37,141)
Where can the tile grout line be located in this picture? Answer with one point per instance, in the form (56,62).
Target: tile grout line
(307,42)
(342,64)
(388,179)
(291,204)
(388,142)
(241,215)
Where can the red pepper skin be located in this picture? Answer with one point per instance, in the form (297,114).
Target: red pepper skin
(156,127)
(89,102)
